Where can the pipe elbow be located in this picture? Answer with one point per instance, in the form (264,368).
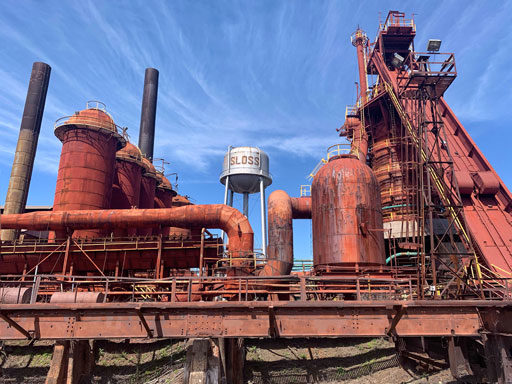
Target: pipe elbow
(280,235)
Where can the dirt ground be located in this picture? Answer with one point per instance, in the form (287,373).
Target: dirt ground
(267,362)
(329,361)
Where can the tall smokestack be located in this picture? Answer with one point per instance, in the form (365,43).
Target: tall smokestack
(148,114)
(21,172)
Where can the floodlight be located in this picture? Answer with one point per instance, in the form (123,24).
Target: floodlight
(433,45)
(397,60)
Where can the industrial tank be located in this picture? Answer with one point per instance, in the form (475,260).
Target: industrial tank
(346,214)
(245,166)
(164,192)
(386,167)
(89,143)
(147,191)
(127,181)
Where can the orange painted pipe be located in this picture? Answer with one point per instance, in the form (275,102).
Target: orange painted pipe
(232,221)
(282,209)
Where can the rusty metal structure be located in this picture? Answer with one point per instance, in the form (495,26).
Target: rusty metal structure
(412,237)
(90,140)
(346,214)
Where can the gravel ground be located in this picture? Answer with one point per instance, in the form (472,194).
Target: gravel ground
(268,362)
(329,361)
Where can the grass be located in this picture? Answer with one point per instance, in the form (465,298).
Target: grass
(252,349)
(370,345)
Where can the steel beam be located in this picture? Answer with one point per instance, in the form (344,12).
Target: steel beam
(245,319)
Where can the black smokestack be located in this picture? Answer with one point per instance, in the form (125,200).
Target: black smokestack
(148,114)
(21,172)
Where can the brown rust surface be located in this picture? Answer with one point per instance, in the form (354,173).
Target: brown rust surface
(219,216)
(86,167)
(240,319)
(281,210)
(346,213)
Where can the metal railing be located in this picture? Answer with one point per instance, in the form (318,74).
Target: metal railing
(305,190)
(232,288)
(337,150)
(397,19)
(333,150)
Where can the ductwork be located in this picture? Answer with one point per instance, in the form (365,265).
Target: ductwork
(359,146)
(219,216)
(282,209)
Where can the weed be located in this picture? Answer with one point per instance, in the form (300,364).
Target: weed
(341,370)
(252,349)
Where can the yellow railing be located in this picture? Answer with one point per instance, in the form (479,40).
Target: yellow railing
(333,150)
(337,150)
(305,190)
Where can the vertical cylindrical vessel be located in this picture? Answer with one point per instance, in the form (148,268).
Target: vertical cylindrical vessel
(386,167)
(86,169)
(346,214)
(22,166)
(148,113)
(147,191)
(127,182)
(164,192)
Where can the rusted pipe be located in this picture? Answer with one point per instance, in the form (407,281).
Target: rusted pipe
(218,216)
(359,145)
(301,207)
(282,209)
(360,41)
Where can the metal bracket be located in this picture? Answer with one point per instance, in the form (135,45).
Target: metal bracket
(400,310)
(273,329)
(16,326)
(144,323)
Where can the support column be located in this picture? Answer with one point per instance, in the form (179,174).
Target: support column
(234,357)
(230,202)
(72,361)
(246,205)
(203,363)
(263,219)
(226,191)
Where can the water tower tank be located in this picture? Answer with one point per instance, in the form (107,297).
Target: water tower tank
(245,166)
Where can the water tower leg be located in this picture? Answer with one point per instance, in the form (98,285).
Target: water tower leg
(222,234)
(246,204)
(226,190)
(263,219)
(230,202)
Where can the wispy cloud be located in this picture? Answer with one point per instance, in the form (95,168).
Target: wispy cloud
(271,74)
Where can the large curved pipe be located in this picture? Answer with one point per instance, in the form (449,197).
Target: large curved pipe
(359,145)
(218,216)
(282,209)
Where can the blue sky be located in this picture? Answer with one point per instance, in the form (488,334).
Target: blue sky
(273,74)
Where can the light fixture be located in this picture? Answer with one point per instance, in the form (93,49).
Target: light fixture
(433,45)
(397,60)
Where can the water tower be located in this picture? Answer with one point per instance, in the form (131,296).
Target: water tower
(245,171)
